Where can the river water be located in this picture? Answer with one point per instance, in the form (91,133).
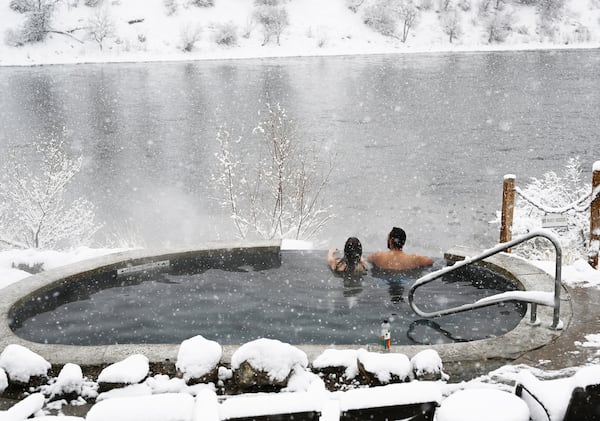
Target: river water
(420,141)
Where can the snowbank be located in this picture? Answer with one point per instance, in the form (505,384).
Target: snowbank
(21,363)
(145,30)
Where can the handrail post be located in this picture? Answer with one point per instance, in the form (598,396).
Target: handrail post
(595,216)
(508,206)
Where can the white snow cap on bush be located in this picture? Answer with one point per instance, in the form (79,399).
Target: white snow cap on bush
(427,362)
(339,358)
(274,357)
(131,370)
(197,357)
(21,363)
(385,365)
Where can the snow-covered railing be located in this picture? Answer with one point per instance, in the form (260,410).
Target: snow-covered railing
(589,201)
(532,297)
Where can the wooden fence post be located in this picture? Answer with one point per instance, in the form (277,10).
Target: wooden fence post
(595,216)
(508,207)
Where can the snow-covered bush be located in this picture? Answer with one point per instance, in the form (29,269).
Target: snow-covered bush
(386,16)
(100,26)
(226,34)
(36,25)
(36,213)
(22,6)
(554,191)
(354,5)
(378,17)
(202,3)
(273,19)
(92,3)
(278,195)
(267,2)
(190,34)
(170,6)
(499,25)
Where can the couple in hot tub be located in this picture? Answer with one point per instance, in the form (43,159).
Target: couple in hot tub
(395,259)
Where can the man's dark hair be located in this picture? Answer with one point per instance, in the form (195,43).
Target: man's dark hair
(398,237)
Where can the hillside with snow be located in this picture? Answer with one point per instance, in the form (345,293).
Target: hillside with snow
(78,31)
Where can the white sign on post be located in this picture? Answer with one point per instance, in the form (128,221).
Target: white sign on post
(554,220)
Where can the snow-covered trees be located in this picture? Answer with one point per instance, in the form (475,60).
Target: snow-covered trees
(35,211)
(554,191)
(273,18)
(393,18)
(100,26)
(36,25)
(279,195)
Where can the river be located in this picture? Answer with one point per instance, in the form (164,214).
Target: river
(420,141)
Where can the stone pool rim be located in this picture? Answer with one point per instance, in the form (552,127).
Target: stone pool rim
(515,343)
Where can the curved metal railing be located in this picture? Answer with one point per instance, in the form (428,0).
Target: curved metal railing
(533,299)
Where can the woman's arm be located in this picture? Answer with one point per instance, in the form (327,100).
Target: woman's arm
(331,260)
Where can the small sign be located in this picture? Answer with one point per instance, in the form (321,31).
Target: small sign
(554,220)
(145,266)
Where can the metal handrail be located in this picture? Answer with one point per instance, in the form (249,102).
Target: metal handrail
(494,299)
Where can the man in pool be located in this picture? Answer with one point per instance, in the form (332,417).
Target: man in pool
(395,259)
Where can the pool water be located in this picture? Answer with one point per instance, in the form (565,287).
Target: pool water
(299,301)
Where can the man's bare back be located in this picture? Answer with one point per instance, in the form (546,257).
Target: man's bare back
(395,259)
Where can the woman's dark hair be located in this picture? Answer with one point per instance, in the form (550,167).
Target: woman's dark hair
(352,253)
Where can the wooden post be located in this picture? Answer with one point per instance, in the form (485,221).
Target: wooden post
(508,207)
(595,216)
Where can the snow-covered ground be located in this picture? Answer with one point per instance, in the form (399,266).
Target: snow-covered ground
(145,30)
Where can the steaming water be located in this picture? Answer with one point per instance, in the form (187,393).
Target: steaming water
(420,141)
(300,301)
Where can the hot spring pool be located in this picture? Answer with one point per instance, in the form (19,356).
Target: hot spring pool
(293,297)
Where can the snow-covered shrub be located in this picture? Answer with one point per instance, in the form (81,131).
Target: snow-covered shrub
(202,3)
(36,25)
(226,34)
(190,34)
(450,21)
(378,17)
(22,6)
(100,26)
(553,191)
(354,5)
(273,19)
(279,195)
(386,16)
(170,6)
(267,2)
(92,3)
(464,5)
(36,213)
(499,26)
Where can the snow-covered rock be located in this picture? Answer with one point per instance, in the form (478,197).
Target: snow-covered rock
(427,365)
(198,359)
(384,368)
(24,409)
(266,362)
(131,370)
(3,381)
(21,363)
(69,382)
(332,359)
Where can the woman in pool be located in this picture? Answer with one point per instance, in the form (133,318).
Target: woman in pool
(352,263)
